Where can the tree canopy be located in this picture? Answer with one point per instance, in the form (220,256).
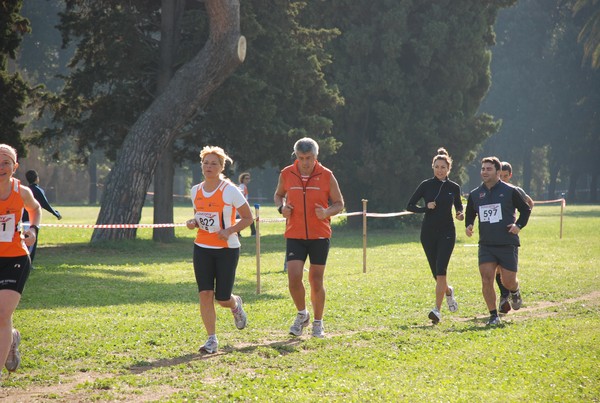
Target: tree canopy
(381,86)
(14,90)
(279,94)
(547,98)
(413,75)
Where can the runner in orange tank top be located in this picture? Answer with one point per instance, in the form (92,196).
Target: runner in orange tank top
(14,256)
(307,195)
(217,247)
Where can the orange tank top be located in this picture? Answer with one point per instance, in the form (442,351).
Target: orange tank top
(11,211)
(210,216)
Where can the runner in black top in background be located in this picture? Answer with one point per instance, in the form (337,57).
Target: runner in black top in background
(438,234)
(505,176)
(40,196)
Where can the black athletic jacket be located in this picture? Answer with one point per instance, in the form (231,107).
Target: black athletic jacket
(445,194)
(492,229)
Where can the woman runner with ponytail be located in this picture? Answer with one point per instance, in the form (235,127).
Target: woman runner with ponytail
(438,233)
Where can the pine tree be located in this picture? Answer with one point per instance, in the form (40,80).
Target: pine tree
(14,91)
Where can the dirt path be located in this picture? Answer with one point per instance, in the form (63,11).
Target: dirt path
(539,309)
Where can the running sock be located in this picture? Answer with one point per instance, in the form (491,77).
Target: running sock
(503,290)
(212,337)
(303,312)
(494,312)
(318,322)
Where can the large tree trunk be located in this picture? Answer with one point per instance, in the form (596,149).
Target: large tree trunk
(171,15)
(187,92)
(92,167)
(527,168)
(163,196)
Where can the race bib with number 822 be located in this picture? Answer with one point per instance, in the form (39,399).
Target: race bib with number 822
(208,221)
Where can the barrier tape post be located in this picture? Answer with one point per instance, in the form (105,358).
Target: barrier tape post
(257,214)
(563,203)
(562,208)
(364,203)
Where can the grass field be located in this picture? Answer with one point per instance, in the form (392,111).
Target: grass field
(120,321)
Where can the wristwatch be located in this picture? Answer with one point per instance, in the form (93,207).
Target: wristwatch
(280,208)
(37,229)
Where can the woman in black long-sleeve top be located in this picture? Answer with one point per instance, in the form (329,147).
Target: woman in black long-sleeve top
(438,234)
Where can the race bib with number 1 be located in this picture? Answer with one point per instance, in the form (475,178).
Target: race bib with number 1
(7,227)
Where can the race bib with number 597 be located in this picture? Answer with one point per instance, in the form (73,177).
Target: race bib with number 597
(491,213)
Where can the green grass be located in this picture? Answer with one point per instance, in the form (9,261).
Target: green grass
(120,321)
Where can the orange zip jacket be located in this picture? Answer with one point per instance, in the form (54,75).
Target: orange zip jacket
(304,195)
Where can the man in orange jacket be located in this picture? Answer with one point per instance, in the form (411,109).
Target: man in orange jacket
(307,195)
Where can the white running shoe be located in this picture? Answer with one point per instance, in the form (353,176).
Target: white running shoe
(210,347)
(318,330)
(493,321)
(435,316)
(300,323)
(13,360)
(239,316)
(452,304)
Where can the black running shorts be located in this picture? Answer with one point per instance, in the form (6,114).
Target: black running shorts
(14,272)
(506,256)
(316,249)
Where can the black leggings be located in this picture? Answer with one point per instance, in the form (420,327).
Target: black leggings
(438,247)
(215,270)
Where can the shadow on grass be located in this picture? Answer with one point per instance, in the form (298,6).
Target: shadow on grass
(115,252)
(145,251)
(282,347)
(90,287)
(347,239)
(585,214)
(478,325)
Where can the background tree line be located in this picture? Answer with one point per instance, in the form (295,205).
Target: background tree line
(545,90)
(379,85)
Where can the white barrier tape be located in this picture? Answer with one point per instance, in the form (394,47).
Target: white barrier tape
(180,196)
(563,201)
(357,213)
(389,214)
(348,214)
(113,226)
(271,220)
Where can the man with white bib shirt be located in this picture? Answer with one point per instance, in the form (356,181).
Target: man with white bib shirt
(495,202)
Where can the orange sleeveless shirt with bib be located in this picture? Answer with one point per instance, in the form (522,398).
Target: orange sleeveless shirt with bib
(209,216)
(11,211)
